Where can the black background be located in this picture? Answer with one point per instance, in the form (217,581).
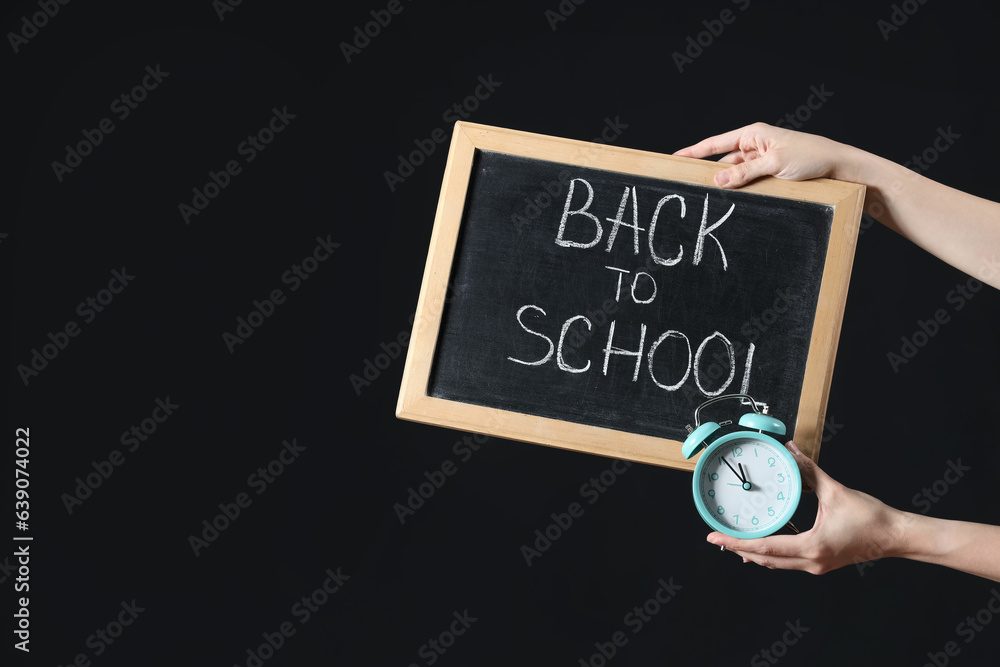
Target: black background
(892,432)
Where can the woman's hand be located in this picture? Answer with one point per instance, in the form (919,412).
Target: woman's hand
(957,227)
(851,527)
(762,150)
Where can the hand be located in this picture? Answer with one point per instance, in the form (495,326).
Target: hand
(851,527)
(959,228)
(762,150)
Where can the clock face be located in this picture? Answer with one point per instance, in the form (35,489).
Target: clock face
(747,485)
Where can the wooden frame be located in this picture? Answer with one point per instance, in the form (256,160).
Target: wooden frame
(415,404)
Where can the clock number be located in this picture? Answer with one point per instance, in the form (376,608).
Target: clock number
(714,476)
(711,493)
(770,460)
(737,452)
(781,477)
(721,510)
(781,496)
(770,511)
(737,517)
(755,520)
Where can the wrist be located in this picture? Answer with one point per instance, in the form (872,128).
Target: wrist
(852,164)
(899,535)
(917,537)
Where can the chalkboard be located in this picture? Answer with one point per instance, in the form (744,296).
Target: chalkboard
(590,297)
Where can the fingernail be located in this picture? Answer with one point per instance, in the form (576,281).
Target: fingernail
(722,178)
(795,450)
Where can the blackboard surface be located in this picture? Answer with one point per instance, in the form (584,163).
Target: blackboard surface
(746,290)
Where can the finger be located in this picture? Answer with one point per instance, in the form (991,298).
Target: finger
(751,551)
(734,157)
(775,545)
(743,172)
(720,143)
(776,562)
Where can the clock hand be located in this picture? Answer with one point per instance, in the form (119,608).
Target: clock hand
(746,482)
(740,477)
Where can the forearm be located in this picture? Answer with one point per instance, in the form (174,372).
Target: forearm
(959,228)
(961,545)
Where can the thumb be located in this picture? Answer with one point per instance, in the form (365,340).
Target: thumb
(740,174)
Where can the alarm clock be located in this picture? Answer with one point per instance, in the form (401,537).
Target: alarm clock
(746,484)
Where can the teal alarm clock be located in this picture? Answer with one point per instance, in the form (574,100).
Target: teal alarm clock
(745,484)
